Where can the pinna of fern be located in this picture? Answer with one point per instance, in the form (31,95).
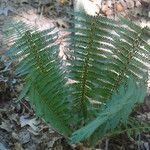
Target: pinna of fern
(108,70)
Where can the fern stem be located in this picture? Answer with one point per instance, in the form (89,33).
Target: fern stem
(85,69)
(106,144)
(83,88)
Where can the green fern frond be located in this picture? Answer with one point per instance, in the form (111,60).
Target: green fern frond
(44,77)
(116,111)
(105,54)
(13,30)
(90,59)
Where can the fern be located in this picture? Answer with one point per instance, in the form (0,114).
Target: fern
(44,77)
(116,110)
(105,56)
(108,70)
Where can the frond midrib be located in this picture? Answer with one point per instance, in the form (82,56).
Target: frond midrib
(85,69)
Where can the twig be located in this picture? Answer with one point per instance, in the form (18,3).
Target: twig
(106,144)
(139,141)
(30,110)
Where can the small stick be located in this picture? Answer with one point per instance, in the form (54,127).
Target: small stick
(139,142)
(106,144)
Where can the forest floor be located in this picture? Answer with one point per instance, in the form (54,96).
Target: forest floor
(19,128)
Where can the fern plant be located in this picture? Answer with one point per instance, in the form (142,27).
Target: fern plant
(94,92)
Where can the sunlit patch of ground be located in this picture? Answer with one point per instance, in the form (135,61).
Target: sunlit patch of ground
(29,16)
